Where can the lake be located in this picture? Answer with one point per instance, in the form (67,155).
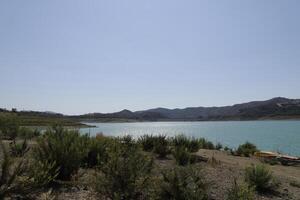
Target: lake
(282,136)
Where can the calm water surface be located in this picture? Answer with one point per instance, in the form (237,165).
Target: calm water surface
(283,136)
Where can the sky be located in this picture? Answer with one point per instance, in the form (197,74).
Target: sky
(76,56)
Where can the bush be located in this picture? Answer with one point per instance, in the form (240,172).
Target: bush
(295,183)
(180,141)
(181,155)
(226,148)
(28,133)
(191,144)
(65,148)
(126,173)
(240,192)
(194,145)
(127,141)
(9,127)
(204,144)
(147,142)
(18,149)
(246,149)
(10,172)
(161,146)
(17,178)
(43,173)
(97,151)
(261,178)
(219,146)
(183,183)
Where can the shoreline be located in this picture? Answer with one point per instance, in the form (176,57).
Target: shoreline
(143,121)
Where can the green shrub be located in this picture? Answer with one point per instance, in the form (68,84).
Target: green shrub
(18,149)
(209,145)
(10,174)
(183,183)
(261,178)
(181,155)
(191,144)
(147,142)
(240,192)
(9,127)
(17,177)
(43,173)
(125,175)
(246,149)
(127,141)
(295,183)
(226,148)
(97,151)
(204,144)
(219,146)
(28,133)
(194,145)
(65,148)
(180,141)
(161,146)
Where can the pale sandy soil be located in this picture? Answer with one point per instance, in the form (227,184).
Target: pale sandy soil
(220,176)
(231,167)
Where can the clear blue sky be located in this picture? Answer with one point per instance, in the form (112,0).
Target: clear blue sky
(103,56)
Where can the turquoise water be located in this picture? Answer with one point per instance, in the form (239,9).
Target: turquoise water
(282,136)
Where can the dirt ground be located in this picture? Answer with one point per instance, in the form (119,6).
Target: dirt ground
(220,174)
(231,167)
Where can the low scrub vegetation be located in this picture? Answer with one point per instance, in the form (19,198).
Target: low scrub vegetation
(65,148)
(191,144)
(183,183)
(147,142)
(181,155)
(240,192)
(122,167)
(295,184)
(219,146)
(28,133)
(204,144)
(161,146)
(18,177)
(18,148)
(261,178)
(9,127)
(126,173)
(246,149)
(97,153)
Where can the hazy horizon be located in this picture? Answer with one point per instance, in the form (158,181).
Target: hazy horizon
(138,110)
(76,57)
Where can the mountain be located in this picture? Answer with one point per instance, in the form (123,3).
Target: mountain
(275,108)
(125,114)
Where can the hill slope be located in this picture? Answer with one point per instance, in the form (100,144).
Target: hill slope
(274,108)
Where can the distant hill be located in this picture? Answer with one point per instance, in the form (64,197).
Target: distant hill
(276,108)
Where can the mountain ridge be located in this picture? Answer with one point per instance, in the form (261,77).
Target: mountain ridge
(275,108)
